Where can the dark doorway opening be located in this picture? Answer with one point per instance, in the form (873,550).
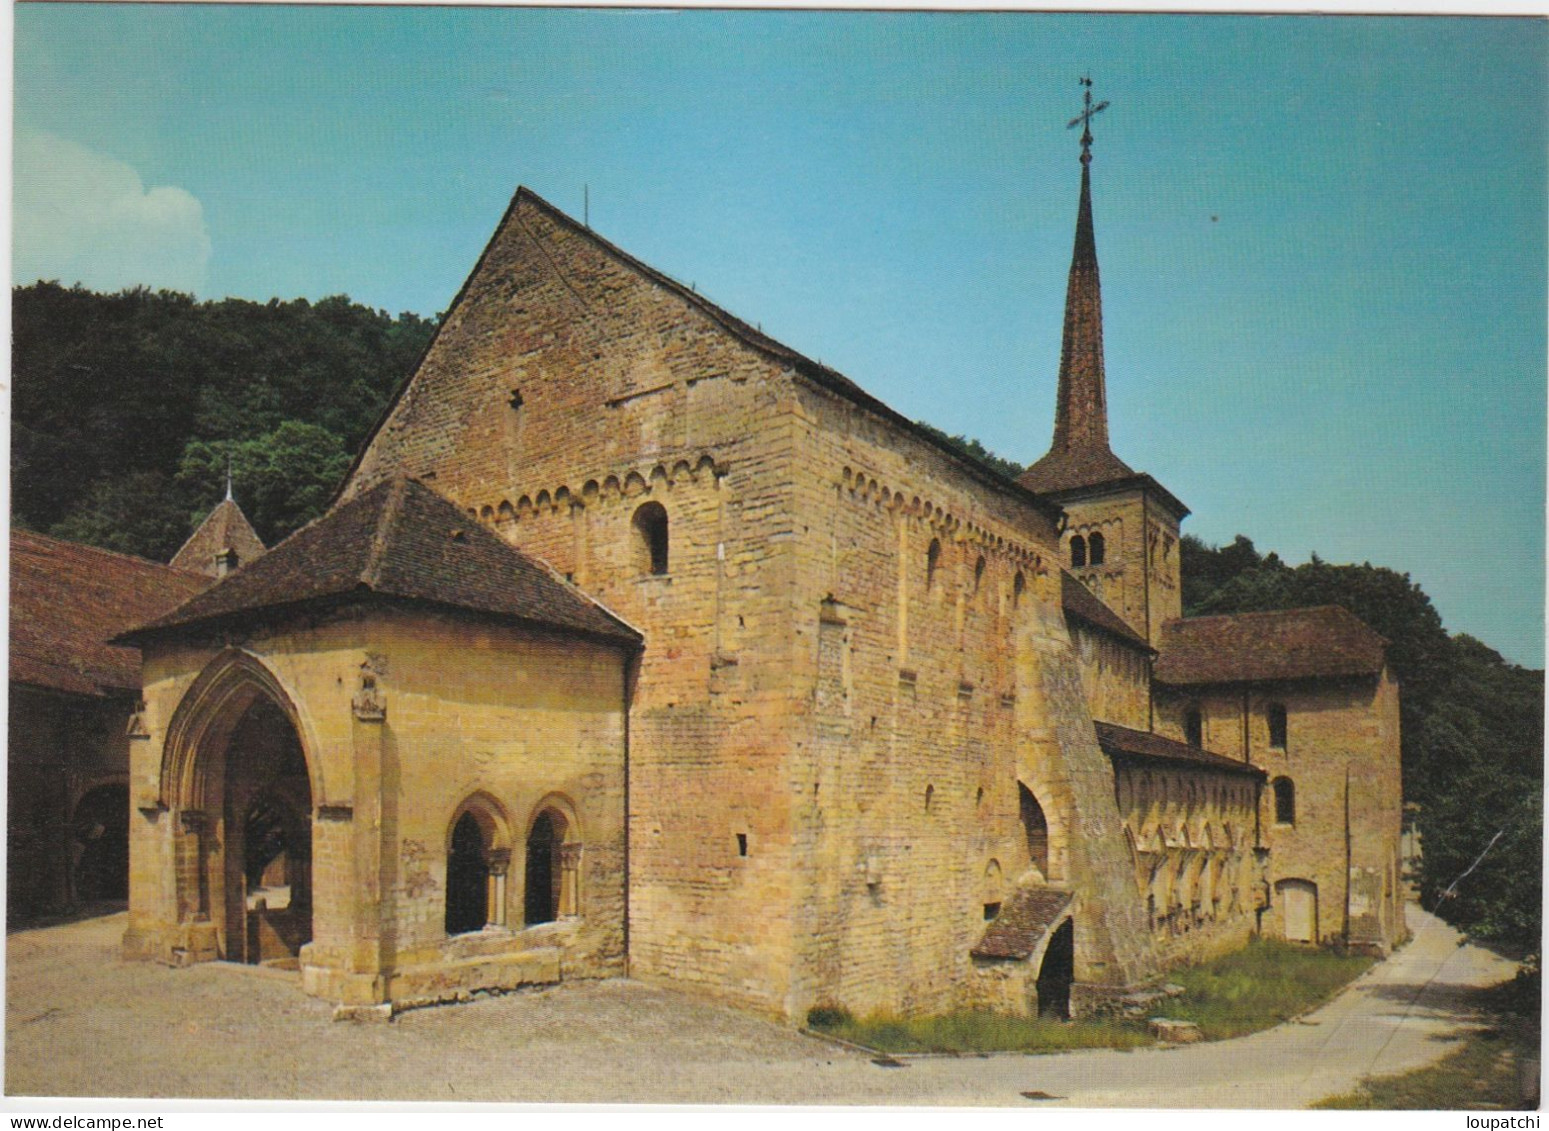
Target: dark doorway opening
(1057,973)
(467,878)
(267,813)
(101,828)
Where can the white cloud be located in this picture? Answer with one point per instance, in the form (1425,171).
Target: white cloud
(83,217)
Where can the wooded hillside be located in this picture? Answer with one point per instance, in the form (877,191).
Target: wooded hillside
(126,408)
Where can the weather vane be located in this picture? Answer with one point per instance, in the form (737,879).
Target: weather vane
(1084,120)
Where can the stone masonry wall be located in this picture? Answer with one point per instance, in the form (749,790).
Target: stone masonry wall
(516,719)
(918,589)
(1139,577)
(631,394)
(1116,677)
(1341,756)
(1193,831)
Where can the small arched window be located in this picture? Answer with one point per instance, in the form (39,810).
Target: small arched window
(978,574)
(1018,586)
(1096,549)
(1285,802)
(932,560)
(651,538)
(1078,551)
(1276,715)
(1194,727)
(552,873)
(467,878)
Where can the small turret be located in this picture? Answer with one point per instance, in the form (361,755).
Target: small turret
(224,540)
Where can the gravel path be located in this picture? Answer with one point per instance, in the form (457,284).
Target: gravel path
(81,1022)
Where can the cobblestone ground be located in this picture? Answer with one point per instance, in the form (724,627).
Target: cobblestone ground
(81,1022)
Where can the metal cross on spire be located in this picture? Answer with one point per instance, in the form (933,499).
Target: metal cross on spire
(1084,120)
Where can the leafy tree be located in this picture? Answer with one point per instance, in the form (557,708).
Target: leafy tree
(284,479)
(142,513)
(110,391)
(1472,728)
(976,451)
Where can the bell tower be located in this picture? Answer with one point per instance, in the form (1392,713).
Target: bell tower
(1121,531)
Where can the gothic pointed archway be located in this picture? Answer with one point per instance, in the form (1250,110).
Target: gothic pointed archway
(236,777)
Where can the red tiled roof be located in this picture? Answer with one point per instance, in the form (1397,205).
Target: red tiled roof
(224,528)
(1061,469)
(400,540)
(1022,923)
(1326,640)
(1082,603)
(69,600)
(1120,742)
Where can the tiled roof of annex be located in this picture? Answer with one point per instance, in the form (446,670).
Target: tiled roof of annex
(1318,642)
(69,600)
(401,540)
(1124,742)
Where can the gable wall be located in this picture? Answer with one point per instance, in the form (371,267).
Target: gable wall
(632,395)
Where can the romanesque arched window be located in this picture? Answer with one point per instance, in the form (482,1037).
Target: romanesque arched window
(467,878)
(978,574)
(1018,586)
(1096,549)
(477,854)
(1285,802)
(932,560)
(553,868)
(650,524)
(1078,551)
(1276,715)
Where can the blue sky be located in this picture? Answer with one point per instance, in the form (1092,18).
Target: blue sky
(1322,240)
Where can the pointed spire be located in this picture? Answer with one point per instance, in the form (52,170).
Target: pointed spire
(229,499)
(1080,454)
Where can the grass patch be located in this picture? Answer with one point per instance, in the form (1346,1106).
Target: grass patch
(1258,987)
(977,1031)
(1490,1071)
(1481,1075)
(1264,984)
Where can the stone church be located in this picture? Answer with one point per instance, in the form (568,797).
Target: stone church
(636,641)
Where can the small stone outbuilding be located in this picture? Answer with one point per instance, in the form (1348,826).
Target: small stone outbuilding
(390,752)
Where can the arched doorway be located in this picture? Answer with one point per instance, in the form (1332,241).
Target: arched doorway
(101,844)
(1057,973)
(467,878)
(266,808)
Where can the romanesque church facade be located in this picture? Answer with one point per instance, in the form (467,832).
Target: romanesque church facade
(638,642)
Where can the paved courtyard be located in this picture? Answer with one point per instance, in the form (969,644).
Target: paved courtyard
(81,1022)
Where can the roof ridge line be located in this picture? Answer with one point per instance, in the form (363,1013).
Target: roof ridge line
(371,575)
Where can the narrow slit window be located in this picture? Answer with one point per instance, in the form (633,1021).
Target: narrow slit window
(1285,802)
(1194,727)
(1276,715)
